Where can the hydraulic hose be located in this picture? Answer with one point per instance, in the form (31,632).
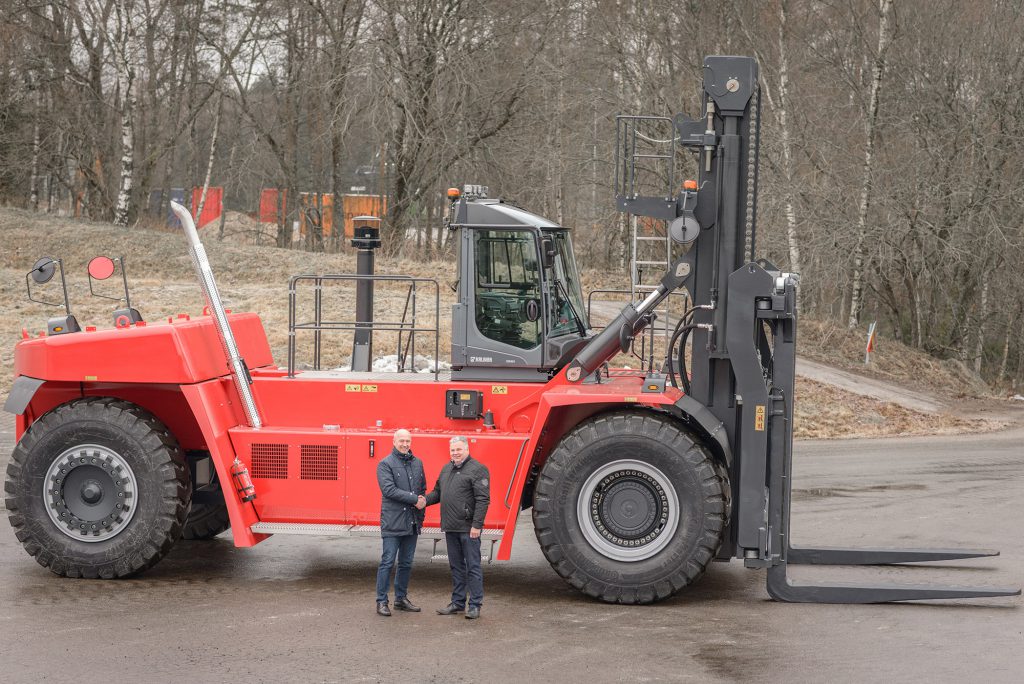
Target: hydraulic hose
(679,336)
(683,329)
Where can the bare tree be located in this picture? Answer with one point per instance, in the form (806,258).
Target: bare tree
(886,29)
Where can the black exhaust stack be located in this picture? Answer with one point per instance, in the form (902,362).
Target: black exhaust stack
(365,238)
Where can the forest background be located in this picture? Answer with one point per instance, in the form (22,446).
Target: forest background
(892,130)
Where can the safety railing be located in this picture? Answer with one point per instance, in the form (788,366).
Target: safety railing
(407,327)
(646,165)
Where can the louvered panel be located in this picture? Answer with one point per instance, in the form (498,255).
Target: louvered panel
(270,461)
(318,462)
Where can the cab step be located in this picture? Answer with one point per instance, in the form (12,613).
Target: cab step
(494,538)
(337,530)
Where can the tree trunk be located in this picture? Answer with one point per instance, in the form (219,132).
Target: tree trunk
(870,130)
(979,343)
(1010,325)
(337,208)
(787,145)
(33,190)
(213,154)
(124,195)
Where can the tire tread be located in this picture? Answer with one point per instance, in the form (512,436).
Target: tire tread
(714,488)
(159,447)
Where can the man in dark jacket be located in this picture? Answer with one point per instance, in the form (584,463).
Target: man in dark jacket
(402,486)
(463,489)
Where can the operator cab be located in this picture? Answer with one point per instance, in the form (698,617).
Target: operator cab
(520,314)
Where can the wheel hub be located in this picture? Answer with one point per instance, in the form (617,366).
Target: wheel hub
(628,510)
(627,507)
(90,491)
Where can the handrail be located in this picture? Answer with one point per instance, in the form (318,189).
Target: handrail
(627,133)
(515,471)
(318,325)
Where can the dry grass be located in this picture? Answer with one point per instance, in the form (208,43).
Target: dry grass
(891,360)
(255,278)
(825,411)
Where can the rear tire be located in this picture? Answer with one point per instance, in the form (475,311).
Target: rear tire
(630,508)
(97,488)
(206,521)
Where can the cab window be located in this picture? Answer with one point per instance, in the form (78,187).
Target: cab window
(506,281)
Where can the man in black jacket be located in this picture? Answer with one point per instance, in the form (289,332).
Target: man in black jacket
(402,486)
(463,489)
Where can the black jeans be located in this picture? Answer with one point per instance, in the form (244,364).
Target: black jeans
(464,560)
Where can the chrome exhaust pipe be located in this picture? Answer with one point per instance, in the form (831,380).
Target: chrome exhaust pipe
(239,371)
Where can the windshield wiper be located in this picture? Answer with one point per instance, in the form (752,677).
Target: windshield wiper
(582,329)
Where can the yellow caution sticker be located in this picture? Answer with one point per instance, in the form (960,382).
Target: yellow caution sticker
(629,399)
(499,389)
(353,388)
(759,417)
(369,388)
(90,377)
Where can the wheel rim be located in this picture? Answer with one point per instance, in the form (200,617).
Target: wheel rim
(90,493)
(628,510)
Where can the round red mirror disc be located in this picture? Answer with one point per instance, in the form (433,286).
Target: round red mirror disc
(101,267)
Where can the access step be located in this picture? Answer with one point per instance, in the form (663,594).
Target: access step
(489,556)
(337,530)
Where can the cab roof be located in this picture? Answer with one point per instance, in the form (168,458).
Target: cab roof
(494,212)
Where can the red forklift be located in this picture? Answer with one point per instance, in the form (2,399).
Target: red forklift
(132,437)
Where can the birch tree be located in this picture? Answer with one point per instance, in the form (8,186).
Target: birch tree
(886,28)
(124,48)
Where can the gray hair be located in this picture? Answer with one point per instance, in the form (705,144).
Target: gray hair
(458,438)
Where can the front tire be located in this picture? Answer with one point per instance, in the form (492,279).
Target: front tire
(97,488)
(630,508)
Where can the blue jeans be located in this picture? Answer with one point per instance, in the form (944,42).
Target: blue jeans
(404,548)
(464,560)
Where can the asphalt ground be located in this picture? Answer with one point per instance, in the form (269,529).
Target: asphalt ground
(301,608)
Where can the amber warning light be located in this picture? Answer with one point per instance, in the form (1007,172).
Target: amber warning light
(690,185)
(453,194)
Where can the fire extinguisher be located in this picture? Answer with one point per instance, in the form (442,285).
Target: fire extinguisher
(243,485)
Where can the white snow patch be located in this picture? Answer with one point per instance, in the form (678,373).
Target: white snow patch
(389,364)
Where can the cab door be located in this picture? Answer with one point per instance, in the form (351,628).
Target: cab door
(500,300)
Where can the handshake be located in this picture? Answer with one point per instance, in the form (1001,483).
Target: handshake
(421,502)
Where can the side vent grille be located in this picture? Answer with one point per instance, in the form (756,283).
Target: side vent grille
(270,461)
(318,462)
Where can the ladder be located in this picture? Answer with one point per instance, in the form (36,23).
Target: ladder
(645,184)
(650,257)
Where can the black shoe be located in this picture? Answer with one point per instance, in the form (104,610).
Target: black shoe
(472,613)
(406,605)
(450,609)
(382,608)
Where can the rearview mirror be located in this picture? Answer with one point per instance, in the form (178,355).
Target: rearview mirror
(548,250)
(43,270)
(101,267)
